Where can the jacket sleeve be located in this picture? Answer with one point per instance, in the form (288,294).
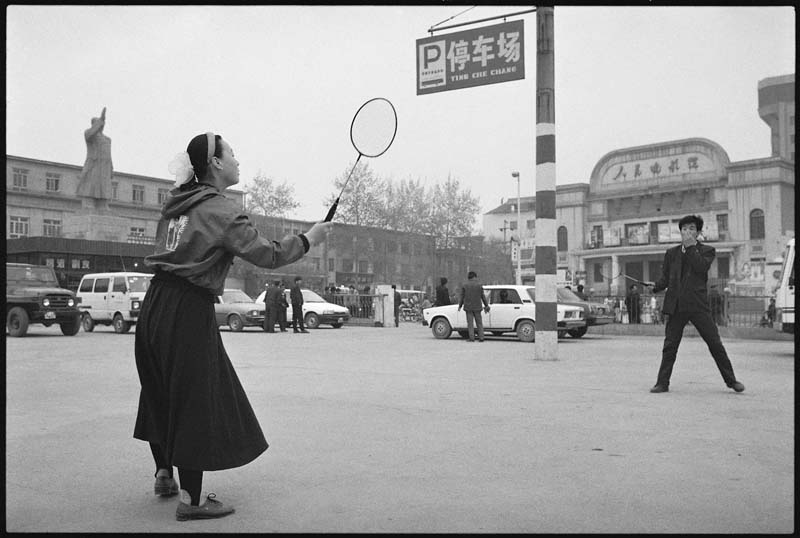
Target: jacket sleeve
(663,282)
(700,257)
(242,239)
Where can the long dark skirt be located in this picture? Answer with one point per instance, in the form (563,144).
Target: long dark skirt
(191,402)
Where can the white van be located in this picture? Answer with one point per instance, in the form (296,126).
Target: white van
(112,299)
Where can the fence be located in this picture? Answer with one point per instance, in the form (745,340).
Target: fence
(360,305)
(727,310)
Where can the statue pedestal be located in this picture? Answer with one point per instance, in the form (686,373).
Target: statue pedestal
(94,221)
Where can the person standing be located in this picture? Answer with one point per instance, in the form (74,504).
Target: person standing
(579,292)
(272,300)
(283,304)
(192,408)
(296,295)
(633,304)
(442,293)
(685,277)
(472,298)
(397,300)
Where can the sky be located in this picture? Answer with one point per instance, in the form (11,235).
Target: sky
(281,85)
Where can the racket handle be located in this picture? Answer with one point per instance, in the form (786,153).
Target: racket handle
(332,211)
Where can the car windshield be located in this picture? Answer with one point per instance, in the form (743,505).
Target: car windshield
(236,296)
(138,283)
(311,297)
(566,295)
(31,276)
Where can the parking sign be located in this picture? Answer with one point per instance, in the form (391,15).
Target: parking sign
(486,55)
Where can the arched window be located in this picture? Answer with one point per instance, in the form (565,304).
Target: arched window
(757,224)
(561,237)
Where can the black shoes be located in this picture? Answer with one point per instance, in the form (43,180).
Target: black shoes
(165,486)
(738,387)
(659,388)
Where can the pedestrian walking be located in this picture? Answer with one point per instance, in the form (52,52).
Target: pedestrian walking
(193,410)
(296,295)
(472,298)
(685,277)
(397,300)
(633,305)
(283,304)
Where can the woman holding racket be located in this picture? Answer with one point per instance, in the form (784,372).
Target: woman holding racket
(192,408)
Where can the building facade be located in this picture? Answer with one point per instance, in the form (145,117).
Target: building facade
(621,222)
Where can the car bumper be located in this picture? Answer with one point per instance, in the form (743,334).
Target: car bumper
(605,319)
(54,316)
(571,324)
(253,320)
(334,318)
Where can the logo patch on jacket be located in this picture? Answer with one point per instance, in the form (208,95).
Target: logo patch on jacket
(175,230)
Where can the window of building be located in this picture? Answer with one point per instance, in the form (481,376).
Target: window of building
(347,265)
(722,223)
(315,263)
(18,227)
(598,272)
(723,267)
(84,264)
(512,225)
(20,179)
(391,246)
(757,224)
(138,194)
(331,264)
(52,181)
(51,227)
(162,196)
(363,266)
(530,224)
(115,190)
(597,236)
(75,263)
(404,248)
(561,238)
(61,263)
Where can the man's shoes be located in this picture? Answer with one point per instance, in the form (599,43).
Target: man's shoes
(305,331)
(210,509)
(481,340)
(295,331)
(659,388)
(738,387)
(165,486)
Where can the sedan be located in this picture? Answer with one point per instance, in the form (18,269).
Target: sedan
(237,310)
(595,313)
(512,310)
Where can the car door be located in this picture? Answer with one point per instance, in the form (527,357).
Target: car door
(117,296)
(101,288)
(219,311)
(506,307)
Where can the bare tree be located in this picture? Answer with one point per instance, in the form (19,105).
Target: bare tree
(266,197)
(362,201)
(453,212)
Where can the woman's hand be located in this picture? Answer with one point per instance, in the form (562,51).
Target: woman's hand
(318,233)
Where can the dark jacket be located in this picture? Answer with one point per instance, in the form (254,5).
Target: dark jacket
(472,297)
(296,295)
(442,295)
(690,293)
(273,296)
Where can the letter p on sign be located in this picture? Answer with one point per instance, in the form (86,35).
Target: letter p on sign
(431,64)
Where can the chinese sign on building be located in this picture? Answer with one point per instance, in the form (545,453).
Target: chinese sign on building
(486,55)
(658,168)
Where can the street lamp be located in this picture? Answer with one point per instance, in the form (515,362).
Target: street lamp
(519,233)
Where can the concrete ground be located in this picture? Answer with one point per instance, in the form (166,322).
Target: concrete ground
(389,430)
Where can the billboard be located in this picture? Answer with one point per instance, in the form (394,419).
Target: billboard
(485,55)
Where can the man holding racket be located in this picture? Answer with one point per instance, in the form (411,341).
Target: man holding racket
(685,277)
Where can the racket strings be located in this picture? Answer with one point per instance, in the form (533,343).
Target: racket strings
(374,127)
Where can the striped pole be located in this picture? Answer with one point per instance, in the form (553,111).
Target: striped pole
(546,345)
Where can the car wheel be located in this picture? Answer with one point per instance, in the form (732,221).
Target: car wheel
(71,328)
(440,328)
(87,322)
(463,334)
(497,333)
(17,322)
(235,323)
(526,331)
(120,325)
(312,320)
(336,325)
(577,333)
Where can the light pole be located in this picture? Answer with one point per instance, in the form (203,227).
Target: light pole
(519,233)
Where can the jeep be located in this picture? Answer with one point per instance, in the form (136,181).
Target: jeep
(33,295)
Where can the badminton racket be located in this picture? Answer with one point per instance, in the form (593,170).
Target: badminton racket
(372,131)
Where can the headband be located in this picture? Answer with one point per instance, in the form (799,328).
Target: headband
(212,146)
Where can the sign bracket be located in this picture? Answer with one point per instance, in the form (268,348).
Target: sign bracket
(433,29)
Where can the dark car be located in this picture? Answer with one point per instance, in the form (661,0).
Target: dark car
(33,295)
(595,313)
(237,310)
